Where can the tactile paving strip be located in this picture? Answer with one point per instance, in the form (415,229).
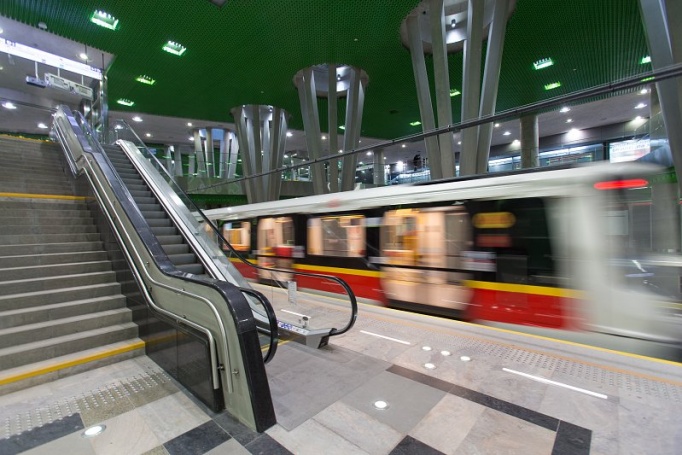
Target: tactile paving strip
(106,398)
(475,346)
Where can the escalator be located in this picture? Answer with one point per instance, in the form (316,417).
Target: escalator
(177,276)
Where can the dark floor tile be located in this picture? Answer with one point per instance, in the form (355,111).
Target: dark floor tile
(236,429)
(411,446)
(572,440)
(197,441)
(41,435)
(265,445)
(420,377)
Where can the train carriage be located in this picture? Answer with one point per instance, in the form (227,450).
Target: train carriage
(565,250)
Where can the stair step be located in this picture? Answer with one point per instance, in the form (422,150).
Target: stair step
(50,270)
(29,333)
(55,282)
(44,220)
(48,238)
(51,259)
(9,229)
(43,204)
(40,298)
(49,248)
(54,311)
(41,350)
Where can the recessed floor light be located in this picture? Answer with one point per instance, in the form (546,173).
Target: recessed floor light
(445,353)
(93,431)
(465,358)
(429,366)
(381,405)
(426,348)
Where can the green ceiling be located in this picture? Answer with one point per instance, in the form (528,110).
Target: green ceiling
(248,51)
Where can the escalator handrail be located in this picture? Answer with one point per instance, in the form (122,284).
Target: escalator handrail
(351,295)
(241,313)
(272,321)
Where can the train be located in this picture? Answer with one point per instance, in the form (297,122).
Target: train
(577,253)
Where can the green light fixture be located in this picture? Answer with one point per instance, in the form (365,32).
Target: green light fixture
(342,127)
(416,123)
(174,48)
(454,92)
(104,19)
(553,85)
(125,102)
(145,80)
(645,60)
(543,63)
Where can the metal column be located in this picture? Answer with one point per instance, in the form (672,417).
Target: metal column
(355,101)
(530,141)
(311,123)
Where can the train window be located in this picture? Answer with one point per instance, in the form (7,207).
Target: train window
(341,236)
(516,230)
(238,234)
(399,237)
(275,234)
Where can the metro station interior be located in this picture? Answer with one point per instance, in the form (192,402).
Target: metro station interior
(407,227)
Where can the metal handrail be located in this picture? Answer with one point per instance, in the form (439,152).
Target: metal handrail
(272,321)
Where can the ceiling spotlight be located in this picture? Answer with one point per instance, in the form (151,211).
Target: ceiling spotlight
(9,105)
(403,146)
(189,123)
(148,134)
(646,59)
(42,25)
(42,126)
(191,138)
(497,125)
(640,106)
(83,56)
(506,133)
(564,109)
(289,134)
(644,91)
(137,118)
(569,120)
(324,138)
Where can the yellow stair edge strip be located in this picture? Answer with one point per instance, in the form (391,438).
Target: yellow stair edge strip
(71,363)
(44,196)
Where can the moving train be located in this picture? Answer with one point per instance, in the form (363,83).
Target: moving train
(556,252)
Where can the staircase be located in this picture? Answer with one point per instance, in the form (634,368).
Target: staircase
(61,308)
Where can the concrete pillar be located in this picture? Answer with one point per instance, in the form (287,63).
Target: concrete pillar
(379,173)
(177,157)
(530,141)
(261,131)
(199,153)
(209,154)
(332,81)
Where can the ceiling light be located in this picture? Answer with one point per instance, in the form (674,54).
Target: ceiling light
(506,133)
(552,85)
(403,146)
(125,102)
(543,63)
(289,134)
(516,142)
(148,134)
(415,123)
(640,106)
(644,91)
(104,19)
(647,79)
(174,48)
(340,150)
(118,127)
(137,118)
(569,120)
(369,153)
(42,126)
(9,105)
(190,139)
(455,92)
(1,30)
(189,123)
(645,60)
(83,56)
(638,118)
(324,138)
(342,127)
(564,109)
(145,80)
(497,125)
(459,142)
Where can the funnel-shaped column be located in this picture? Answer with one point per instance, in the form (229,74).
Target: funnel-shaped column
(332,81)
(442,27)
(261,131)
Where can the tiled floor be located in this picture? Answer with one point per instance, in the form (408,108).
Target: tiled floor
(575,401)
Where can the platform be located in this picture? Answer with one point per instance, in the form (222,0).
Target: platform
(449,387)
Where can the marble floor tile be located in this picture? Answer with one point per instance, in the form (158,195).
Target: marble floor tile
(126,433)
(498,433)
(172,416)
(359,428)
(313,438)
(448,423)
(73,444)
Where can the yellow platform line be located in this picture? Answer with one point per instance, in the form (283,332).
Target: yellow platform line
(44,196)
(71,363)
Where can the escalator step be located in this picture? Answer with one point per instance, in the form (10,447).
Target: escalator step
(196,269)
(180,259)
(171,230)
(170,239)
(180,248)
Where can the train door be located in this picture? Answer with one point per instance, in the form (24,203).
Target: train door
(422,251)
(275,248)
